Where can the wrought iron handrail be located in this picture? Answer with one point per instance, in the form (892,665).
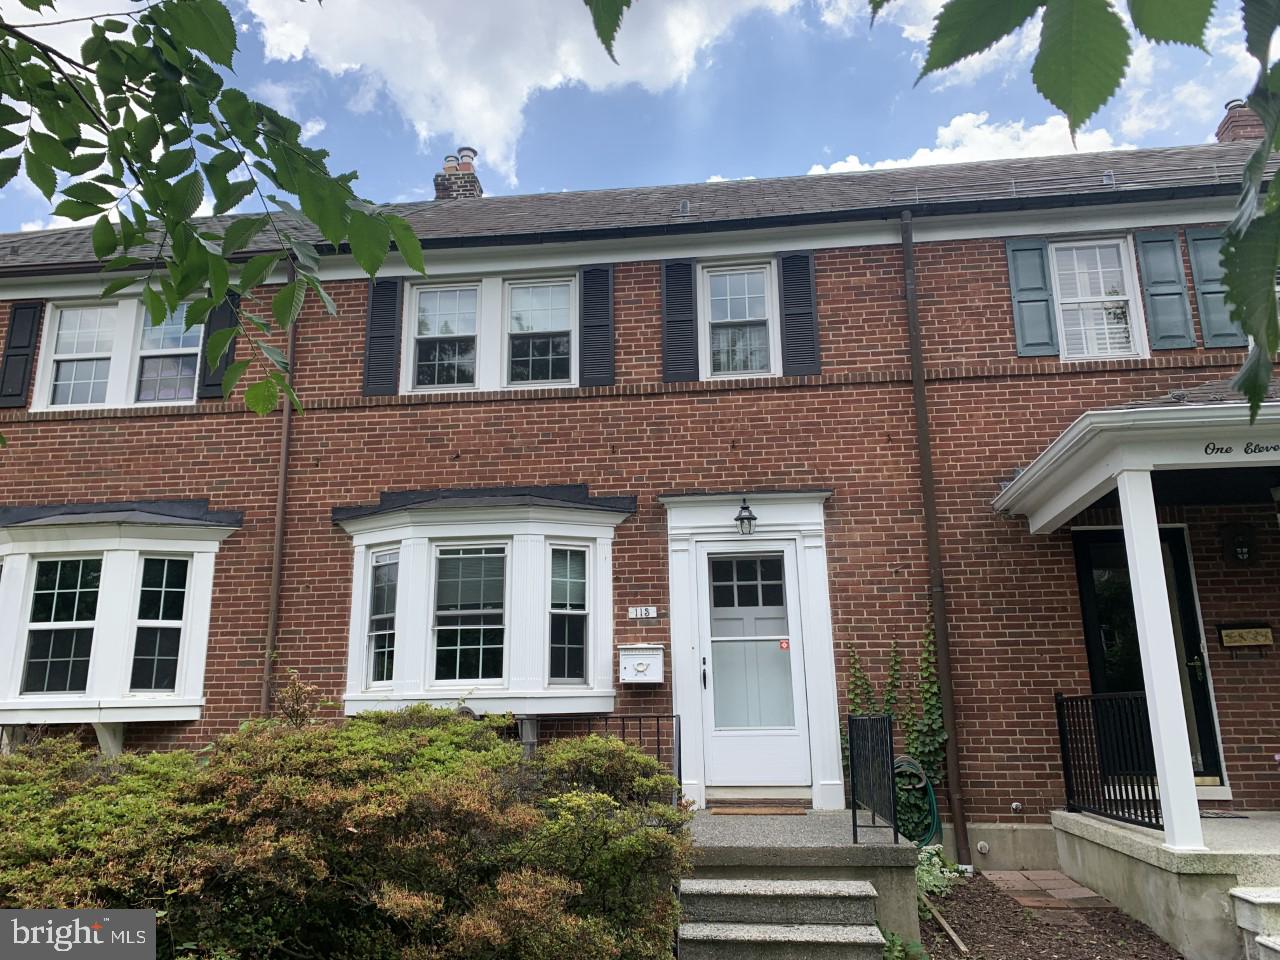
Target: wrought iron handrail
(871,779)
(1108,763)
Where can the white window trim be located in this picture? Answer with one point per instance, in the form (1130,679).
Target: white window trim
(1137,315)
(529,533)
(409,337)
(774,322)
(504,367)
(373,557)
(589,612)
(122,547)
(126,349)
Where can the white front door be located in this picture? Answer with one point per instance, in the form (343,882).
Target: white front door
(751,653)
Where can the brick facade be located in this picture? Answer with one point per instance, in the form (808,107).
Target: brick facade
(1013,599)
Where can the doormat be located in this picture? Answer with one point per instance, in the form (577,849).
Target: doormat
(1222,815)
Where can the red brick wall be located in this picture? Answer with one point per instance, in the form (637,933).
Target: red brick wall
(1012,598)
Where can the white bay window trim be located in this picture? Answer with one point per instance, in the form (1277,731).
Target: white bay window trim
(122,547)
(528,534)
(124,357)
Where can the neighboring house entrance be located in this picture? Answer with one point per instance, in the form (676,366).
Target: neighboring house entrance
(1111,633)
(755,714)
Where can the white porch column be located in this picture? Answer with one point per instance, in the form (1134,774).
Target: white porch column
(1160,676)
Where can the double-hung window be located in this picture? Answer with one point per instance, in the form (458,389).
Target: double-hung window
(169,359)
(470,615)
(740,332)
(540,332)
(568,615)
(383,585)
(445,336)
(1096,293)
(83,342)
(162,603)
(64,611)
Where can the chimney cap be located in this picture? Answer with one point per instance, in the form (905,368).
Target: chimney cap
(1235,104)
(466,153)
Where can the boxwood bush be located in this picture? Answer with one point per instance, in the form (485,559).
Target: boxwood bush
(415,835)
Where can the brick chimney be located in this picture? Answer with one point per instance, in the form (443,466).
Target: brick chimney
(458,180)
(1240,123)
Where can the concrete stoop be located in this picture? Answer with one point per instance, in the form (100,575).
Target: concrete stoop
(746,919)
(1257,912)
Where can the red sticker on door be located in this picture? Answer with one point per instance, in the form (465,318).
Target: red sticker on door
(784,644)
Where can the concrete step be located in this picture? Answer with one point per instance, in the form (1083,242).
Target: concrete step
(840,902)
(1257,909)
(779,941)
(1268,948)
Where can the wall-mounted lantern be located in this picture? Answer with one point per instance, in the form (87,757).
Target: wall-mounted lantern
(745,519)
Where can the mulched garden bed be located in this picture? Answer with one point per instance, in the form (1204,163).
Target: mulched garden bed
(996,927)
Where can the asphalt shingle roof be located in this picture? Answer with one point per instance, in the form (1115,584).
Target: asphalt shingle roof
(1215,391)
(1083,178)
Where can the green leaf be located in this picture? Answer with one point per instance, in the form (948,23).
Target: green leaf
(274,354)
(235,191)
(219,278)
(369,237)
(205,25)
(406,242)
(966,27)
(175,162)
(9,138)
(89,192)
(8,169)
(287,303)
(1172,21)
(216,345)
(256,270)
(116,285)
(262,397)
(155,305)
(229,379)
(104,238)
(40,173)
(146,135)
(1084,51)
(241,232)
(76,210)
(606,15)
(186,197)
(10,115)
(1250,260)
(1260,20)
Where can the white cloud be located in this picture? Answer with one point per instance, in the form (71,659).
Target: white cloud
(311,129)
(716,178)
(470,70)
(971,136)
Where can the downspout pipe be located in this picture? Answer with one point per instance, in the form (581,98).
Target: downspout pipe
(937,578)
(277,545)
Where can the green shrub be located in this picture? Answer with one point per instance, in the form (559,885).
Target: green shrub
(415,835)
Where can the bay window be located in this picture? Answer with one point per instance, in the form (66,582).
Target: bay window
(104,614)
(502,601)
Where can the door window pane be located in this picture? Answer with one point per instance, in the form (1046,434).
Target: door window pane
(470,629)
(752,684)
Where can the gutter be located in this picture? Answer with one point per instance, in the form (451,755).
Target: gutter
(937,579)
(277,545)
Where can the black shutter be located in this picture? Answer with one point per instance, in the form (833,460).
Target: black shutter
(382,340)
(221,317)
(1164,289)
(679,321)
(595,336)
(20,352)
(798,298)
(1216,325)
(1035,325)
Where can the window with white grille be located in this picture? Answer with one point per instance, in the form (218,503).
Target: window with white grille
(1097,299)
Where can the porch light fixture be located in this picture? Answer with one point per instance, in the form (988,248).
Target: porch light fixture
(745,519)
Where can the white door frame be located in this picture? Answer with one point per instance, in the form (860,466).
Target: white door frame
(795,518)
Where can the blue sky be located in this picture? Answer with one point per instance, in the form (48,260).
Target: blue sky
(703,88)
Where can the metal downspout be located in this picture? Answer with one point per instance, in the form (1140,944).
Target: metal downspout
(277,546)
(937,580)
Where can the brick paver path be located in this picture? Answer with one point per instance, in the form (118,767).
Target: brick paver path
(1045,890)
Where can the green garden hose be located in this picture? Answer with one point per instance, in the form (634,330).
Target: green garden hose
(909,774)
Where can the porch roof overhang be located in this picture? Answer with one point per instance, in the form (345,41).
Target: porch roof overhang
(1082,464)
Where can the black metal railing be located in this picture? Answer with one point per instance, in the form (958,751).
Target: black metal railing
(871,780)
(655,734)
(1108,763)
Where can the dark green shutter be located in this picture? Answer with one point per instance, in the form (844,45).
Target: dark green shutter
(19,360)
(221,317)
(382,339)
(798,299)
(679,321)
(1216,325)
(1035,322)
(595,334)
(1164,290)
